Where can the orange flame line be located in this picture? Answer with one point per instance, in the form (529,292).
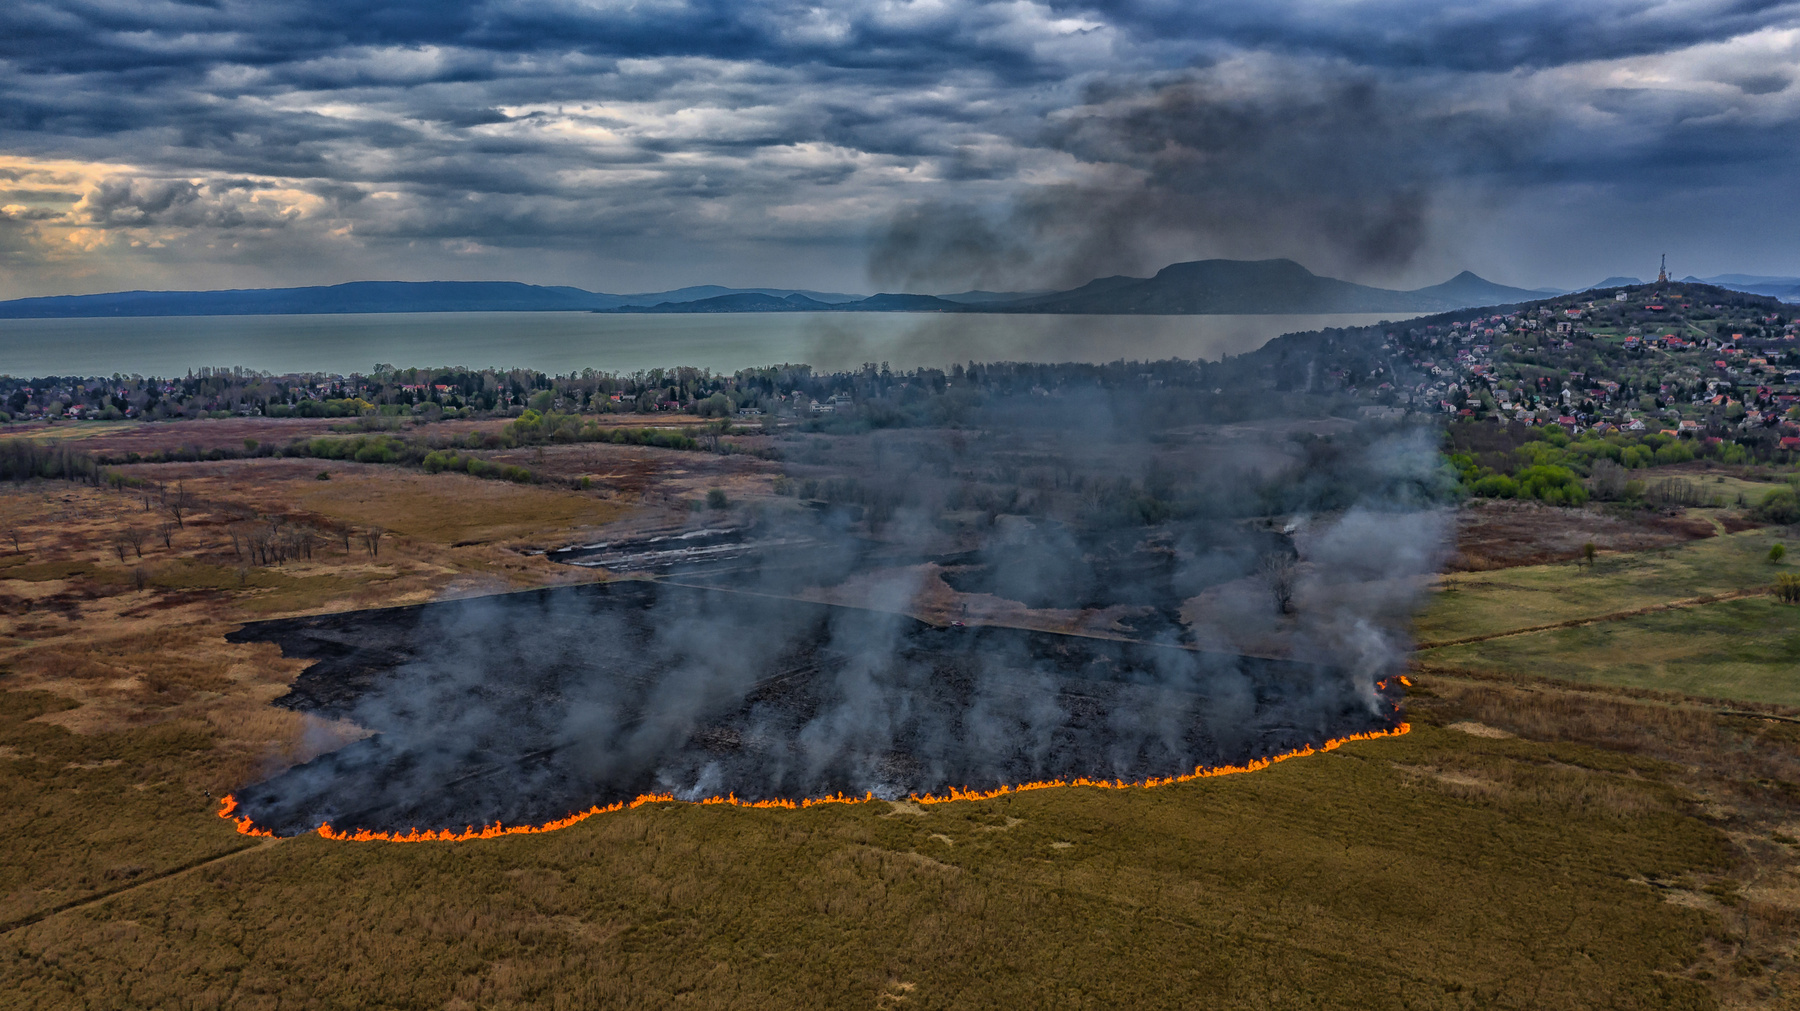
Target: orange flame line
(244,825)
(495,831)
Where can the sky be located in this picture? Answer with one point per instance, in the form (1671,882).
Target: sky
(935,145)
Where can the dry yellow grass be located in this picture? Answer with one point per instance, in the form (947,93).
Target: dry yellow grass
(1372,877)
(450,508)
(140,639)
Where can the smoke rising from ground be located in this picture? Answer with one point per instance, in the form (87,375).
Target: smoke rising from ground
(1340,170)
(1168,538)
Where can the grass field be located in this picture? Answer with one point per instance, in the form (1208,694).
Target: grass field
(1736,649)
(1535,843)
(1614,629)
(1439,870)
(1482,603)
(447,508)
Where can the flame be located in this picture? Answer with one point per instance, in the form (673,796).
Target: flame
(244,825)
(495,831)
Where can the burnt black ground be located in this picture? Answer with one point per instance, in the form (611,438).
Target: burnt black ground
(524,707)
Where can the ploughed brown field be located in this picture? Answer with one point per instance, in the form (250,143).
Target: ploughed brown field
(1532,843)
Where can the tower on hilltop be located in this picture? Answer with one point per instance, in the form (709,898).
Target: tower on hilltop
(1662,272)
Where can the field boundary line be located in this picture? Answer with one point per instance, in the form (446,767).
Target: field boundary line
(1672,605)
(91,900)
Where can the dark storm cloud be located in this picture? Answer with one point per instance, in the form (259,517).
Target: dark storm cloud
(1333,163)
(1465,36)
(1119,131)
(223,204)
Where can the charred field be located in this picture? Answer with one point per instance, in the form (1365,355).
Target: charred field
(970,708)
(892,627)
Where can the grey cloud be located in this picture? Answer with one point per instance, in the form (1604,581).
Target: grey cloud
(221,204)
(40,196)
(30,214)
(1486,35)
(489,122)
(1764,84)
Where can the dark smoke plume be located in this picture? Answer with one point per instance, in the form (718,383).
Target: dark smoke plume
(1344,173)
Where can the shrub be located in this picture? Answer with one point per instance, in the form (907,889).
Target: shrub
(1778,506)
(1496,486)
(715,499)
(374,452)
(1787,587)
(1674,452)
(1778,552)
(1552,484)
(1731,452)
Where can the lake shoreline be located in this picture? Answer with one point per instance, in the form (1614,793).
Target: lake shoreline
(563,342)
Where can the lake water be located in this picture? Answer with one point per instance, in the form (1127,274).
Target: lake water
(561,342)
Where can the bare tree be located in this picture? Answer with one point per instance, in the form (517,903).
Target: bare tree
(1673,493)
(119,544)
(167,530)
(372,540)
(1278,574)
(135,537)
(178,505)
(14,532)
(1607,479)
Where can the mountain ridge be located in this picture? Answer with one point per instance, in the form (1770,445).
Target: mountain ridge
(1198,287)
(1260,287)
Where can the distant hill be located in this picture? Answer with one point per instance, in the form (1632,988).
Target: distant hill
(1466,289)
(698,292)
(1612,282)
(375,296)
(356,296)
(1785,288)
(746,301)
(1198,287)
(757,302)
(979,297)
(904,303)
(1259,287)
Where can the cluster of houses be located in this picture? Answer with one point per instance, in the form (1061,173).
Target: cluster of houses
(1703,381)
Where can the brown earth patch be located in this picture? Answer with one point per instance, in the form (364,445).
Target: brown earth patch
(1503,534)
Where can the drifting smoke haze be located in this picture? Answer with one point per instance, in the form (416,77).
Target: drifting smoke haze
(1123,580)
(735,679)
(1338,169)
